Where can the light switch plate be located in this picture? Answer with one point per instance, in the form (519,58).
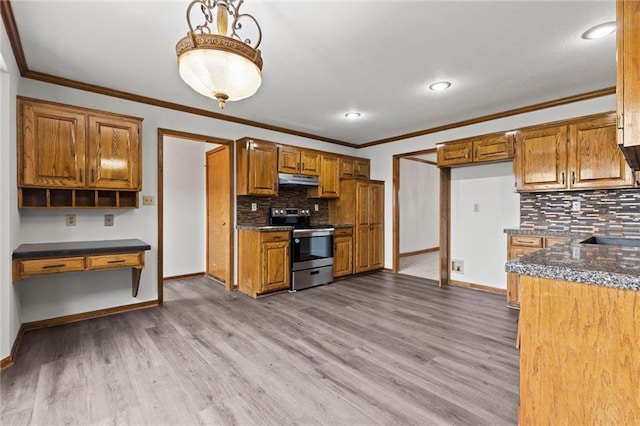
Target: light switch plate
(147,200)
(254,207)
(108,220)
(71,220)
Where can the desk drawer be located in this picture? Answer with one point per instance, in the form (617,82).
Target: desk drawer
(50,266)
(123,260)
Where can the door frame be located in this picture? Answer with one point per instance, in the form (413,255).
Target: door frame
(196,138)
(445,212)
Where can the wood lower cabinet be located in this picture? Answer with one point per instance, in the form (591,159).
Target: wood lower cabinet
(361,202)
(518,245)
(628,80)
(72,157)
(256,168)
(582,154)
(342,252)
(264,262)
(329,178)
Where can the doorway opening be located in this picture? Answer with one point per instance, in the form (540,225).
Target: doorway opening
(195,208)
(418,247)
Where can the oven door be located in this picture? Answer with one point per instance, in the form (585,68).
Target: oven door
(311,248)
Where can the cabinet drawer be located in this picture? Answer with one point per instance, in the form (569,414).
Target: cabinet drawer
(50,266)
(516,252)
(105,261)
(343,232)
(268,237)
(525,241)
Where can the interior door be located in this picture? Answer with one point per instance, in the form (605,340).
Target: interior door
(218,206)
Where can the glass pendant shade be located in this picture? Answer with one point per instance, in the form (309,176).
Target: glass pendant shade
(213,73)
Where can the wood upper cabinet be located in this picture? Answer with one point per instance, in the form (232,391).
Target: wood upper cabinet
(71,157)
(51,145)
(263,261)
(628,80)
(298,161)
(361,202)
(329,178)
(358,168)
(579,155)
(482,149)
(343,252)
(113,153)
(257,170)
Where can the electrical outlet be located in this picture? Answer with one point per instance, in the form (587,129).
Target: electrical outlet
(476,207)
(254,207)
(457,266)
(147,200)
(316,207)
(575,206)
(71,220)
(108,220)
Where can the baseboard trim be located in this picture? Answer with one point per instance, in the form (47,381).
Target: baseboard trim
(10,360)
(414,253)
(181,277)
(478,287)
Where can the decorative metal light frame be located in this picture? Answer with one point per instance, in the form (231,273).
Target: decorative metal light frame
(220,65)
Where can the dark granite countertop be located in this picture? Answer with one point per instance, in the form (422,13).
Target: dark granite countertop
(546,233)
(343,225)
(75,248)
(609,266)
(264,228)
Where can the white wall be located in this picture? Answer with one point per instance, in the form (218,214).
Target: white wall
(65,294)
(184,214)
(419,196)
(382,169)
(9,221)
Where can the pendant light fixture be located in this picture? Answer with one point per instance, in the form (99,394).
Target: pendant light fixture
(220,65)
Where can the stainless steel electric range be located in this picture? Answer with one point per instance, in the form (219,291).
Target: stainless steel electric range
(311,247)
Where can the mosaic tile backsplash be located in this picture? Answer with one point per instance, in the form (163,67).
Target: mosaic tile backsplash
(288,196)
(613,211)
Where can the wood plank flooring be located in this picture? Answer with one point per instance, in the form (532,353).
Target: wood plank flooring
(375,349)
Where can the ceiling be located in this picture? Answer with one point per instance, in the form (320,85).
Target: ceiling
(324,58)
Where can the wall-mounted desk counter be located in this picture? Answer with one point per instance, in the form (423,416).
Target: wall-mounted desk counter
(31,260)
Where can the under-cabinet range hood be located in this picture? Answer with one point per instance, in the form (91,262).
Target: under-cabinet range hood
(289,179)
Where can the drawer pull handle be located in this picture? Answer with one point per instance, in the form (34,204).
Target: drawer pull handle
(116,261)
(59,265)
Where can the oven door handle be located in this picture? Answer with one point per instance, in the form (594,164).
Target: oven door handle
(312,232)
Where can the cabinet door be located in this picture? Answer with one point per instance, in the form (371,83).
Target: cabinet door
(329,177)
(263,179)
(342,256)
(347,167)
(541,159)
(452,154)
(362,252)
(51,148)
(275,266)
(628,77)
(309,163)
(362,169)
(113,157)
(376,224)
(595,161)
(493,148)
(288,160)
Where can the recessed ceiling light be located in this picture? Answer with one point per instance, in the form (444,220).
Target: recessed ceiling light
(353,115)
(439,85)
(599,31)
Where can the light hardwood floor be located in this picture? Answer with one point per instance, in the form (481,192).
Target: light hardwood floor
(375,349)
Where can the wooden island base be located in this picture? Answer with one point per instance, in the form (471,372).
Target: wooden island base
(580,354)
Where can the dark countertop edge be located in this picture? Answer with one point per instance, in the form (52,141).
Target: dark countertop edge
(74,248)
(264,228)
(548,233)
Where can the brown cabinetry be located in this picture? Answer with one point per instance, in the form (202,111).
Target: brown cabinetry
(343,252)
(628,80)
(582,154)
(329,178)
(517,246)
(256,167)
(361,202)
(298,161)
(358,168)
(75,157)
(263,262)
(481,149)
